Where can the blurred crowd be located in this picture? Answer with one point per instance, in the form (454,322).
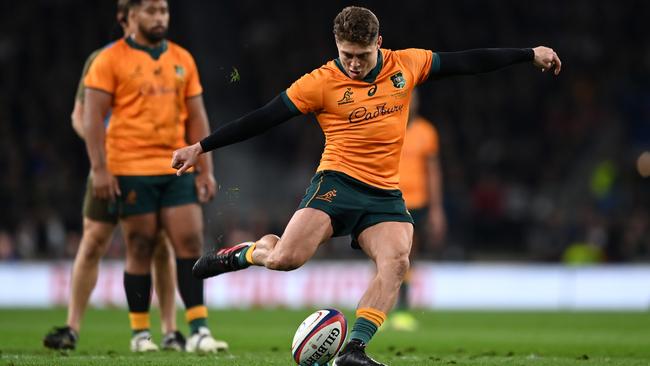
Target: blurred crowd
(536,168)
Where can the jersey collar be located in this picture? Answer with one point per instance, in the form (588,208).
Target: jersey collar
(372,75)
(154,52)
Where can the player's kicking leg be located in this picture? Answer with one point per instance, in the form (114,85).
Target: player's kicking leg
(94,243)
(184,225)
(388,244)
(307,229)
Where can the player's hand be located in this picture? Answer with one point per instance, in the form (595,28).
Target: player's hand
(547,59)
(206,187)
(438,226)
(105,185)
(185,158)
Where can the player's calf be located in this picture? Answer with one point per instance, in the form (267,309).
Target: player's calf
(283,261)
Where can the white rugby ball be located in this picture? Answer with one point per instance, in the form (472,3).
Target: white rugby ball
(319,338)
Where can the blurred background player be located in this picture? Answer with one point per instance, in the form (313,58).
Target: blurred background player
(99,221)
(361,101)
(152,87)
(421,186)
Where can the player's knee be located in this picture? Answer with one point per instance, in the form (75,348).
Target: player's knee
(93,246)
(140,247)
(91,253)
(396,265)
(402,265)
(190,245)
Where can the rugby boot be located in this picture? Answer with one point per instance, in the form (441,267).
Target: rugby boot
(354,354)
(220,261)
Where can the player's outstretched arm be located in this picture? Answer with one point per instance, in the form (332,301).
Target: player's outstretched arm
(490,59)
(254,123)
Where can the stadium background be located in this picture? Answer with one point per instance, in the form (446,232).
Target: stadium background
(533,165)
(546,210)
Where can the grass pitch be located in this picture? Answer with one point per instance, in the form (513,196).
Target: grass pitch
(263,337)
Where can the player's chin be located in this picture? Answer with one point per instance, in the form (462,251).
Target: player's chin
(157,33)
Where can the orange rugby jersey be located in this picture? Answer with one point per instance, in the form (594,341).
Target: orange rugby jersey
(363,120)
(148,110)
(420,143)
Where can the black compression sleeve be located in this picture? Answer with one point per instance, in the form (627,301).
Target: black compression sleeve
(254,123)
(480,60)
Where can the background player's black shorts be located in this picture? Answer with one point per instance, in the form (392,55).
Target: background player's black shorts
(98,209)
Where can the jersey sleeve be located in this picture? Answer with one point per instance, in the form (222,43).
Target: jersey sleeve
(306,93)
(193,86)
(84,72)
(418,61)
(101,73)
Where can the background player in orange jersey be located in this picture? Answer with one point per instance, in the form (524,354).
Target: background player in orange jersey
(99,220)
(421,185)
(152,87)
(361,101)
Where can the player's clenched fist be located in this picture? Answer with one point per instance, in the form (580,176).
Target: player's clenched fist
(185,158)
(547,59)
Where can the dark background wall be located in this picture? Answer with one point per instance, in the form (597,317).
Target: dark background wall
(532,164)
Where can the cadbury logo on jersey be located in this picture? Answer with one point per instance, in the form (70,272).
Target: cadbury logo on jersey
(148,89)
(364,114)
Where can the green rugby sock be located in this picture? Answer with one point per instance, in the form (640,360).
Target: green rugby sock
(196,324)
(363,330)
(241,259)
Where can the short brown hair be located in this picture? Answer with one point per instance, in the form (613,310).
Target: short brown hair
(123,7)
(356,24)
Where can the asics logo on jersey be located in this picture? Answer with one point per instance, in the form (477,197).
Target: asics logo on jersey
(363,114)
(372,90)
(347,97)
(328,196)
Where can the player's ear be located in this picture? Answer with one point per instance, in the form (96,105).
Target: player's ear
(121,18)
(130,16)
(379,39)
